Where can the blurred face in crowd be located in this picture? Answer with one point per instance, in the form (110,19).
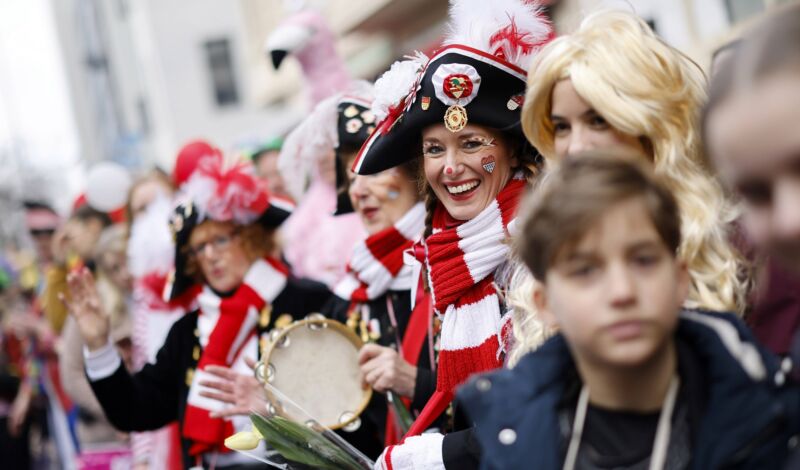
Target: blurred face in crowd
(82,235)
(144,193)
(43,242)
(453,163)
(615,294)
(579,128)
(219,252)
(115,266)
(754,141)
(381,199)
(42,224)
(267,168)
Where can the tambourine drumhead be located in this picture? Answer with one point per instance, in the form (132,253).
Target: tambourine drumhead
(314,362)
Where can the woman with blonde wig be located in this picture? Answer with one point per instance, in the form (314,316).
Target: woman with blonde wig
(614,84)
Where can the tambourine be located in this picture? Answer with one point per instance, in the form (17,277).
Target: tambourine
(314,362)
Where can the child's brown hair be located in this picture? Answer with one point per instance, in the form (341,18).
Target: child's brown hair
(577,193)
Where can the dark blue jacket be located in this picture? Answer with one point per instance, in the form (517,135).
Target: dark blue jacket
(746,421)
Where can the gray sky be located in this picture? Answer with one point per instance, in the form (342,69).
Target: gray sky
(35,108)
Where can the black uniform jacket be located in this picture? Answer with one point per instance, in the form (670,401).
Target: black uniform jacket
(156,395)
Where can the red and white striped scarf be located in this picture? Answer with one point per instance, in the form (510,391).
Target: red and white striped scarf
(377,262)
(227,331)
(461,259)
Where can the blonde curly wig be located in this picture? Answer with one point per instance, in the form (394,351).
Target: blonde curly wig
(643,87)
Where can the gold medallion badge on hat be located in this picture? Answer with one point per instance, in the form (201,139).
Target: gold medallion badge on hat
(456,85)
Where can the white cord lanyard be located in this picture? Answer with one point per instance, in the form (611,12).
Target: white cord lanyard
(659,455)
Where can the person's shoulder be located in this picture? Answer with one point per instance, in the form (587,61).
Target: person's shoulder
(530,377)
(185,324)
(305,286)
(751,406)
(301,296)
(515,411)
(336,308)
(724,338)
(715,319)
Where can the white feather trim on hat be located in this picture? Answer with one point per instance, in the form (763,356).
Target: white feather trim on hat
(396,84)
(150,246)
(315,138)
(312,139)
(510,29)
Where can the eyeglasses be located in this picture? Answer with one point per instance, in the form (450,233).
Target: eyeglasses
(219,242)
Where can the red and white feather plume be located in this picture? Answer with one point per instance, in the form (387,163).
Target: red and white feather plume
(227,190)
(396,84)
(512,30)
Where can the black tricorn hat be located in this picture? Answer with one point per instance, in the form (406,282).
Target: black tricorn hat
(459,85)
(477,77)
(220,192)
(354,123)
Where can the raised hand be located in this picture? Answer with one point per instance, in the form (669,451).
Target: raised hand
(84,305)
(241,391)
(383,369)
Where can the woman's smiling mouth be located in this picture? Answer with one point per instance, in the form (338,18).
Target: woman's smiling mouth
(462,190)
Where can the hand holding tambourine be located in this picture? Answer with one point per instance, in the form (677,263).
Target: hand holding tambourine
(314,363)
(385,370)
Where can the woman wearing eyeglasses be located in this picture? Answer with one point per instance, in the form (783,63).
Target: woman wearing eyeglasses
(224,269)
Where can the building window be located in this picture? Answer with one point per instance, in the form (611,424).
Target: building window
(740,10)
(220,65)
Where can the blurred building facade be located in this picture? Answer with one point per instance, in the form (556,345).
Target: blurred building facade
(697,27)
(148,75)
(376,32)
(372,34)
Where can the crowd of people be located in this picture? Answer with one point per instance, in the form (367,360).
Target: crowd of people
(571,251)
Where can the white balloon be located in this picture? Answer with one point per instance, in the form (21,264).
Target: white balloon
(107,186)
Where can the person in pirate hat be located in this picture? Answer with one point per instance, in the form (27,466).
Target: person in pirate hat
(317,243)
(458,113)
(224,265)
(374,298)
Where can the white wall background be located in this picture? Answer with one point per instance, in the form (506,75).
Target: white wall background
(179,83)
